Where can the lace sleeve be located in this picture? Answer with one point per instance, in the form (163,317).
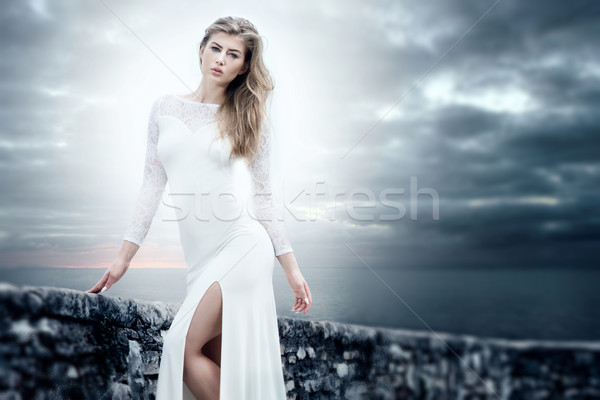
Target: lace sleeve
(154,181)
(262,202)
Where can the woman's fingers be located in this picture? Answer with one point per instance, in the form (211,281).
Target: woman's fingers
(303,301)
(307,299)
(101,283)
(298,306)
(309,296)
(303,298)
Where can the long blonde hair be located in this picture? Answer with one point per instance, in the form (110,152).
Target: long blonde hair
(243,112)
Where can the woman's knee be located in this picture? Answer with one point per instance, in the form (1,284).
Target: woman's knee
(197,364)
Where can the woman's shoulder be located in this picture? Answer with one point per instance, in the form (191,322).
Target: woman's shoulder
(164,100)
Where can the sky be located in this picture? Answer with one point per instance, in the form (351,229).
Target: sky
(406,134)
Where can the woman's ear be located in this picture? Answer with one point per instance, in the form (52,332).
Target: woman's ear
(244,69)
(201,53)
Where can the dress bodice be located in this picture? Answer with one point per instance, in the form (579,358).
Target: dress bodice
(184,149)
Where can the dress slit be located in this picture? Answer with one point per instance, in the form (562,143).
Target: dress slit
(187,394)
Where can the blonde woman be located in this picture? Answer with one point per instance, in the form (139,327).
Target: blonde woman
(224,340)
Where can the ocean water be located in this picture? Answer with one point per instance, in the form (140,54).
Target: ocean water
(512,303)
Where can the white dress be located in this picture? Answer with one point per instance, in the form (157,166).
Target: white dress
(226,237)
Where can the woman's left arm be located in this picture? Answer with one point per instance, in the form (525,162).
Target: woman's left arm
(265,213)
(262,200)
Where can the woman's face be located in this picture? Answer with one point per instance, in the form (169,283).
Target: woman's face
(225,53)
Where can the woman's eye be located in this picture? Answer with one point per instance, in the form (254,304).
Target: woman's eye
(234,55)
(215,48)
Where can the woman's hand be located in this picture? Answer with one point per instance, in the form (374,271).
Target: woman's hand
(301,291)
(111,276)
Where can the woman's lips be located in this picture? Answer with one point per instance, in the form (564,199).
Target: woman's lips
(216,71)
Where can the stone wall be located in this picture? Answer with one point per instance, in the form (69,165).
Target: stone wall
(66,344)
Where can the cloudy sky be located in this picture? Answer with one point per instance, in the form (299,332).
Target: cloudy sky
(408,134)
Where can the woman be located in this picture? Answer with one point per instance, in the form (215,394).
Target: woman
(224,341)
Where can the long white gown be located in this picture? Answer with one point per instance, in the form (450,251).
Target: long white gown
(226,237)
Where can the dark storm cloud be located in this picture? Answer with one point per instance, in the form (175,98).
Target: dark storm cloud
(502,175)
(43,205)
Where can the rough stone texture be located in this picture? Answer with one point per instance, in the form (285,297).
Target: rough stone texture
(66,344)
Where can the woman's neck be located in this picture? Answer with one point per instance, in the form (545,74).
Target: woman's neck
(207,94)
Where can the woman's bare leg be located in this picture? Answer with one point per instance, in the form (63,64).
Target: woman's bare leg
(201,373)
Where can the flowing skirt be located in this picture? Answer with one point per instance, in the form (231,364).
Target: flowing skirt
(242,262)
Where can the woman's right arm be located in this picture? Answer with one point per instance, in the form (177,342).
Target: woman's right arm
(153,185)
(148,200)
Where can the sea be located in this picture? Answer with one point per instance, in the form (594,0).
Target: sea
(510,303)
